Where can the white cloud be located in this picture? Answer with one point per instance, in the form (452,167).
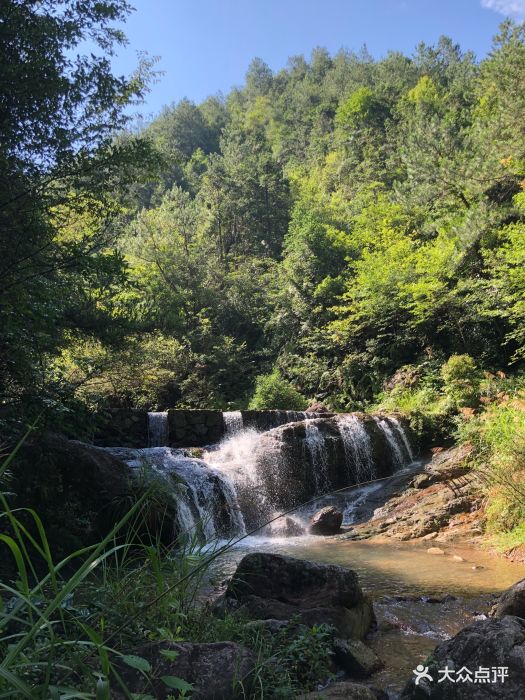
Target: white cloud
(514,8)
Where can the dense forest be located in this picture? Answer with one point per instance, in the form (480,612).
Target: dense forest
(309,233)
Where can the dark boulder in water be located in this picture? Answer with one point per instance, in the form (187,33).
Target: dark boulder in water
(512,601)
(271,586)
(326,521)
(475,657)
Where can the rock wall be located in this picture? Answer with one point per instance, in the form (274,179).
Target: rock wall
(194,428)
(124,427)
(294,467)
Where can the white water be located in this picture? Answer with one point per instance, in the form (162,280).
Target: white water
(236,455)
(315,447)
(357,446)
(158,428)
(259,472)
(393,442)
(200,494)
(233,422)
(399,430)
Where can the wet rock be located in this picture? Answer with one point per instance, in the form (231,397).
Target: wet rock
(326,521)
(97,487)
(289,528)
(423,480)
(271,586)
(217,671)
(317,407)
(488,643)
(341,691)
(356,658)
(512,601)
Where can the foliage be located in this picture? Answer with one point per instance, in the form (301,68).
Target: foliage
(499,438)
(461,380)
(273,391)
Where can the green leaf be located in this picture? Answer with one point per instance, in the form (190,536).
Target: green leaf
(176,683)
(137,662)
(170,654)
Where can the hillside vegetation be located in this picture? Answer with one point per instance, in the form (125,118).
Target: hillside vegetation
(312,235)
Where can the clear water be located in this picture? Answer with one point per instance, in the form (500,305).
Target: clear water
(400,577)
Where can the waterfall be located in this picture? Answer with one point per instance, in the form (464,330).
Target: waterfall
(204,498)
(158,428)
(399,430)
(253,475)
(233,422)
(316,449)
(237,456)
(393,442)
(358,447)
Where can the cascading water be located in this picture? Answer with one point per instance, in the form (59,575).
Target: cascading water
(393,442)
(316,449)
(238,456)
(204,498)
(358,447)
(251,475)
(399,430)
(158,428)
(233,422)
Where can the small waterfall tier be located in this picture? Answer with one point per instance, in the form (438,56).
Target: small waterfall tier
(158,433)
(285,466)
(233,422)
(204,499)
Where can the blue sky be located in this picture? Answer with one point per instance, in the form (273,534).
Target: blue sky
(205,46)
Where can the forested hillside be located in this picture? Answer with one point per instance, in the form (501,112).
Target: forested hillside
(314,230)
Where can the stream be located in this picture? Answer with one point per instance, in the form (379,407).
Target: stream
(252,476)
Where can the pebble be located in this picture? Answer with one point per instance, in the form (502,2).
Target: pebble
(456,557)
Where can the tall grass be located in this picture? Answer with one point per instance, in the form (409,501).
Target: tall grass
(52,644)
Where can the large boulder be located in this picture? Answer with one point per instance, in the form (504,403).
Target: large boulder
(354,657)
(326,521)
(272,586)
(512,601)
(217,671)
(80,492)
(487,644)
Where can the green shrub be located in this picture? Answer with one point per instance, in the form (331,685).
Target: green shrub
(272,391)
(461,380)
(498,435)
